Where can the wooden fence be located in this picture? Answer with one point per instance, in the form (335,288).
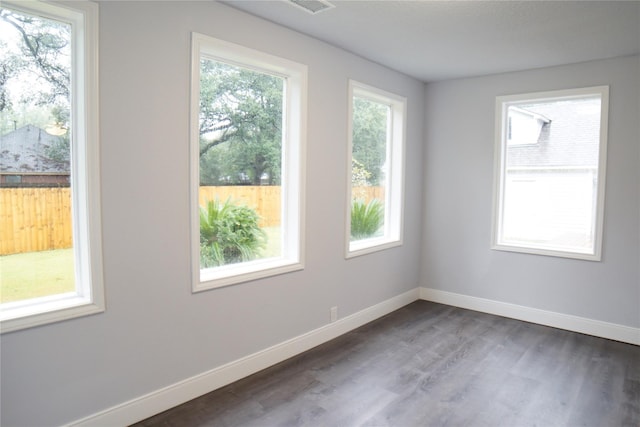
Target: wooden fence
(34,219)
(39,219)
(368,193)
(265,200)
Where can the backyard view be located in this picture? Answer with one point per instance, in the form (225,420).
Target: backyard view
(36,254)
(241,120)
(369,154)
(240,164)
(240,127)
(53,274)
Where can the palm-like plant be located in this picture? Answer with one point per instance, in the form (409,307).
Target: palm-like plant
(366,218)
(229,234)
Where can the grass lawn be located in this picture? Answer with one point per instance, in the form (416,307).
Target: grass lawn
(273,242)
(36,274)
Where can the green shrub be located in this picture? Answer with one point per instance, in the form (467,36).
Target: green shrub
(366,219)
(229,234)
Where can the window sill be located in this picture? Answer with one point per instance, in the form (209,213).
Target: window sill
(367,246)
(29,313)
(227,275)
(547,251)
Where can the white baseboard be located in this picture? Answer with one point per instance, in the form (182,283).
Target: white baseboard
(183,391)
(568,322)
(190,388)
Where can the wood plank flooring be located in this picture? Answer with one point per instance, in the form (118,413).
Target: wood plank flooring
(430,364)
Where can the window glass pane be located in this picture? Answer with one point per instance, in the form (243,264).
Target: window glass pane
(550,175)
(376,152)
(36,242)
(369,175)
(241,118)
(247,155)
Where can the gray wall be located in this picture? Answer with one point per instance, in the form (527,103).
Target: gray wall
(155,332)
(458,163)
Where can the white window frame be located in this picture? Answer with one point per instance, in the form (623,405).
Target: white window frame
(85,175)
(293,162)
(501,123)
(394,180)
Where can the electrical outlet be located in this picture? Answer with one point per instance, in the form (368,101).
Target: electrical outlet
(334,314)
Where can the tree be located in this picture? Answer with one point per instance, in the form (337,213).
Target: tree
(370,137)
(45,48)
(5,73)
(60,150)
(240,124)
(36,64)
(240,128)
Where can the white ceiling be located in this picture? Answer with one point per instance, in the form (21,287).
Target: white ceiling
(437,40)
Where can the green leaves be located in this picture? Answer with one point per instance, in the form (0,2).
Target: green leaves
(35,71)
(229,234)
(240,125)
(44,51)
(370,137)
(366,219)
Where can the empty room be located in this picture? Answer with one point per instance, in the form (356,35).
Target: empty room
(320,213)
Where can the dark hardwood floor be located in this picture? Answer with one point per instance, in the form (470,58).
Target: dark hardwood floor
(429,364)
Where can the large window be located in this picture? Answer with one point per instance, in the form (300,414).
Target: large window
(550,169)
(50,242)
(247,153)
(376,161)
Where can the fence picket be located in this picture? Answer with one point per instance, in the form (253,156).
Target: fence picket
(38,219)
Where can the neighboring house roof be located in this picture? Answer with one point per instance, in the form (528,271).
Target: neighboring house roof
(25,150)
(570,139)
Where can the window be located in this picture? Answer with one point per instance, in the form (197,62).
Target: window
(247,154)
(13,179)
(549,172)
(376,162)
(51,262)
